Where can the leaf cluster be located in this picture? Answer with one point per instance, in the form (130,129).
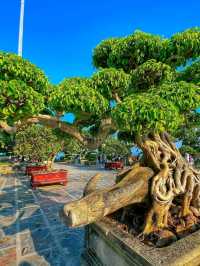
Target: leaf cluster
(77,95)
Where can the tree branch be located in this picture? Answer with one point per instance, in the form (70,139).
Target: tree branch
(8,129)
(54,122)
(104,129)
(116,97)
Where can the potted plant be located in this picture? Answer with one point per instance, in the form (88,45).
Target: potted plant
(39,146)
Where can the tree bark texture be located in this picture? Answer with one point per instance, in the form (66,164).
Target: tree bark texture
(159,180)
(92,142)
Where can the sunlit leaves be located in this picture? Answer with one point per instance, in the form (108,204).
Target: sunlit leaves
(191,73)
(183,46)
(151,73)
(131,51)
(15,67)
(146,112)
(77,95)
(110,81)
(102,51)
(186,96)
(17,100)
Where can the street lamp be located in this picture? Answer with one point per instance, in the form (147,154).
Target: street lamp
(21,27)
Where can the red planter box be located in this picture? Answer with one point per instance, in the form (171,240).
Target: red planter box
(31,168)
(114,165)
(53,177)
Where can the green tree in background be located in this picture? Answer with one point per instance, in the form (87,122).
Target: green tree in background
(37,144)
(6,141)
(113,147)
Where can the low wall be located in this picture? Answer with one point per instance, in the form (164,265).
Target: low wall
(108,245)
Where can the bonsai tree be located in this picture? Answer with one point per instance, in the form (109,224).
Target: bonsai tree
(152,99)
(139,90)
(132,65)
(37,144)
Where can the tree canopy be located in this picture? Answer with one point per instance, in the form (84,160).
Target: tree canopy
(23,88)
(143,83)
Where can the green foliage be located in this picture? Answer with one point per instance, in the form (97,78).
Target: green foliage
(190,134)
(110,81)
(134,50)
(17,100)
(6,141)
(23,88)
(131,51)
(146,112)
(102,51)
(139,73)
(15,67)
(71,146)
(186,96)
(158,97)
(191,73)
(36,143)
(77,95)
(115,147)
(151,73)
(126,137)
(183,46)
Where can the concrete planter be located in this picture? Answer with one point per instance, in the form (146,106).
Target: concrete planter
(107,245)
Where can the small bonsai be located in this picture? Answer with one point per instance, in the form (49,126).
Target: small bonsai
(37,144)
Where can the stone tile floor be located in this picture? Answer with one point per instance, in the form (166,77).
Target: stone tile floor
(31,233)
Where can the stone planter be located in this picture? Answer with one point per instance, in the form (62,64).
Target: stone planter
(106,245)
(32,168)
(46,178)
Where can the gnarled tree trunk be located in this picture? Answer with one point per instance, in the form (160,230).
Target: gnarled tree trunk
(174,178)
(160,179)
(98,203)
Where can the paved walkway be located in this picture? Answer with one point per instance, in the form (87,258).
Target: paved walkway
(31,232)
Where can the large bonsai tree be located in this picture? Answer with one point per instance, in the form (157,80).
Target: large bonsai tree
(152,96)
(139,90)
(141,65)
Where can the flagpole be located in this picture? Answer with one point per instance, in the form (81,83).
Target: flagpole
(21,28)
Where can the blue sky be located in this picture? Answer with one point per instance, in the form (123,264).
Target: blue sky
(59,35)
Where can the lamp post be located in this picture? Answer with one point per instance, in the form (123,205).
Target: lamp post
(21,27)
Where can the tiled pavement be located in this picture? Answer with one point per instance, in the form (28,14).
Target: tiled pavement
(31,232)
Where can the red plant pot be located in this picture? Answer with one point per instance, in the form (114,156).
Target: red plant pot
(53,177)
(31,168)
(114,165)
